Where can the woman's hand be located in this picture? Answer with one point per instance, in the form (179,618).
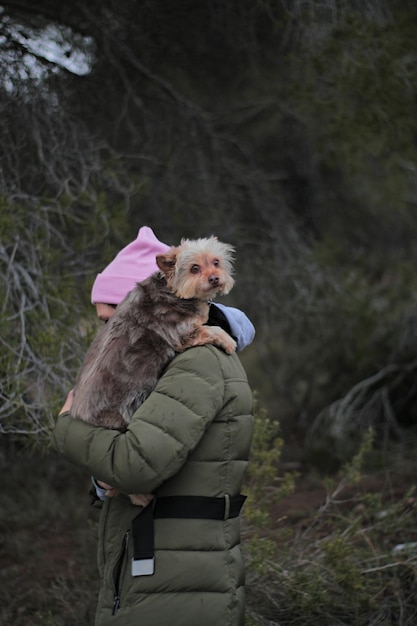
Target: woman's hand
(139,499)
(103,485)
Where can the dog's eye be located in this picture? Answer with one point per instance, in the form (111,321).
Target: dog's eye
(195,269)
(216,262)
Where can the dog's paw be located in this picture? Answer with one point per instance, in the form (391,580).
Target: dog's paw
(223,340)
(212,335)
(231,346)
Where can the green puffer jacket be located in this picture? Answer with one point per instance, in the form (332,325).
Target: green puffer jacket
(191,437)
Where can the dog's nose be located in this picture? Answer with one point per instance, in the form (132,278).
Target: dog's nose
(213,280)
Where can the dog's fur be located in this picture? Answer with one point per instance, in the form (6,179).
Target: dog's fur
(161,316)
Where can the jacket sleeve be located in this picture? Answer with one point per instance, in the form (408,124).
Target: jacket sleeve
(162,432)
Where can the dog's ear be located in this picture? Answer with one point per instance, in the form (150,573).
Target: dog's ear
(166,263)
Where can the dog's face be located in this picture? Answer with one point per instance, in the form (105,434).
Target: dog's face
(200,268)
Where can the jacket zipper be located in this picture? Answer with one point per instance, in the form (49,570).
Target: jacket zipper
(117,574)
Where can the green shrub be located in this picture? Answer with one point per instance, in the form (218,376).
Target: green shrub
(352,561)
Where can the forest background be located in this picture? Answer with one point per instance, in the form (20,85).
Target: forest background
(287,128)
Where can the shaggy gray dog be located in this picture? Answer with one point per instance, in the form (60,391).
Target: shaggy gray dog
(161,316)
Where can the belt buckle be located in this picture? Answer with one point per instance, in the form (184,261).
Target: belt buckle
(226,506)
(143,567)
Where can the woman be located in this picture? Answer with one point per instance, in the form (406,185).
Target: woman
(177,560)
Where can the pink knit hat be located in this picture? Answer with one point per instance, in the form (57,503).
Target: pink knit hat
(132,265)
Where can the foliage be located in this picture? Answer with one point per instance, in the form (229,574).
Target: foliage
(45,322)
(264,487)
(287,128)
(352,561)
(47,542)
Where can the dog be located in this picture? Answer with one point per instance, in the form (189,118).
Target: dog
(163,315)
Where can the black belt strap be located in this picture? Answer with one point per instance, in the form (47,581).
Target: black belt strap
(198,507)
(180,507)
